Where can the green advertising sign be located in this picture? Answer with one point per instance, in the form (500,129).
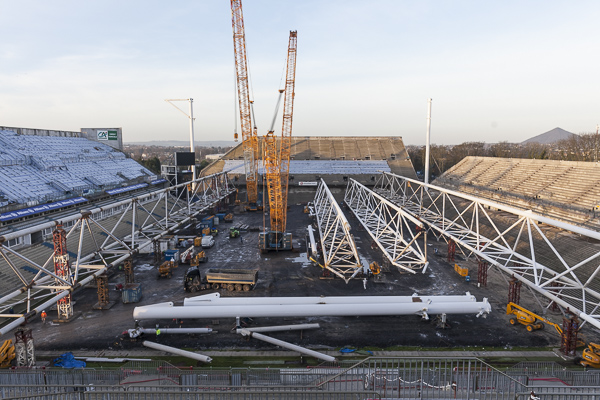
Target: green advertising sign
(112,135)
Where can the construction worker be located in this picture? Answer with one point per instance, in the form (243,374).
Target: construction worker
(157,333)
(241,239)
(43,315)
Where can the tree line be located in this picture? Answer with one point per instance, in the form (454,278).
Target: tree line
(582,147)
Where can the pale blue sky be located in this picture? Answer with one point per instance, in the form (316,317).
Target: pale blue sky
(504,70)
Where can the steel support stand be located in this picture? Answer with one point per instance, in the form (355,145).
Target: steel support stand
(482,271)
(24,347)
(514,291)
(103,298)
(156,253)
(569,336)
(128,267)
(451,250)
(62,269)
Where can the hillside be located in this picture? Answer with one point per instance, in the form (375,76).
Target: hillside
(552,136)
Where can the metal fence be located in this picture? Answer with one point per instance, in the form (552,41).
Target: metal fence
(373,378)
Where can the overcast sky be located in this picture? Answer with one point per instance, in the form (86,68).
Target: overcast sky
(504,70)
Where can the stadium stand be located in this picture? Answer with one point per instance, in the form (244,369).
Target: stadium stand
(562,190)
(40,169)
(352,156)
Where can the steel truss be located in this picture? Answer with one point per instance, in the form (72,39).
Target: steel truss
(339,250)
(134,225)
(527,246)
(394,230)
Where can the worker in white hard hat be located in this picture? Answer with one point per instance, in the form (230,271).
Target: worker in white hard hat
(43,315)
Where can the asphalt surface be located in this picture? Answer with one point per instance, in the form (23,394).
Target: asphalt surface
(291,274)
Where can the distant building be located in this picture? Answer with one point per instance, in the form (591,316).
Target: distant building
(110,136)
(214,156)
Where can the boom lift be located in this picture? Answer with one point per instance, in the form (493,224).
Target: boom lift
(529,319)
(249,137)
(277,164)
(591,356)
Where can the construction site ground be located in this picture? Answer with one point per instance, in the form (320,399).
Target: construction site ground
(99,332)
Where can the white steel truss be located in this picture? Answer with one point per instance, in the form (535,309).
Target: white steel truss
(395,231)
(102,237)
(553,258)
(339,250)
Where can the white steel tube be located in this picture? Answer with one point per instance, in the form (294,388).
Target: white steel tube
(311,235)
(427,139)
(502,207)
(281,328)
(214,299)
(303,310)
(287,345)
(179,352)
(152,331)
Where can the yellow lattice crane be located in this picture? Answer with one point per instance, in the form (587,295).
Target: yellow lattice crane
(249,137)
(277,163)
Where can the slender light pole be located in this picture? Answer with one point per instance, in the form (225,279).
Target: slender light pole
(427,138)
(191,118)
(192,148)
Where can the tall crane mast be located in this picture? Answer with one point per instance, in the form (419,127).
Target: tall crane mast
(277,164)
(249,137)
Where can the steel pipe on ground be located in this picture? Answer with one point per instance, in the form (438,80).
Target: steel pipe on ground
(179,352)
(280,328)
(405,305)
(152,331)
(287,345)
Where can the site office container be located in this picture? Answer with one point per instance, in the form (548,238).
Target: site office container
(131,293)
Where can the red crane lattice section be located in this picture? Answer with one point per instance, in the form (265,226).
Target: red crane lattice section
(62,269)
(569,336)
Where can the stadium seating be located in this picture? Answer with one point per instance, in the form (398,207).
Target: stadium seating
(563,190)
(332,156)
(38,169)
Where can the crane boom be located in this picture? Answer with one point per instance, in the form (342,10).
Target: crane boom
(277,163)
(286,129)
(249,137)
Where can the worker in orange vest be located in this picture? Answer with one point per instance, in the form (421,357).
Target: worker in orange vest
(44,315)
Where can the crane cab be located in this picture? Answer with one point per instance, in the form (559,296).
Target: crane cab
(274,241)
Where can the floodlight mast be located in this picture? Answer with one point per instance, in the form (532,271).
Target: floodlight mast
(191,118)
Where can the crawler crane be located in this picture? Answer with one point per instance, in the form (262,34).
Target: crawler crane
(249,137)
(277,164)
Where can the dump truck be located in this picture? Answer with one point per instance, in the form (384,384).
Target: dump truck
(214,278)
